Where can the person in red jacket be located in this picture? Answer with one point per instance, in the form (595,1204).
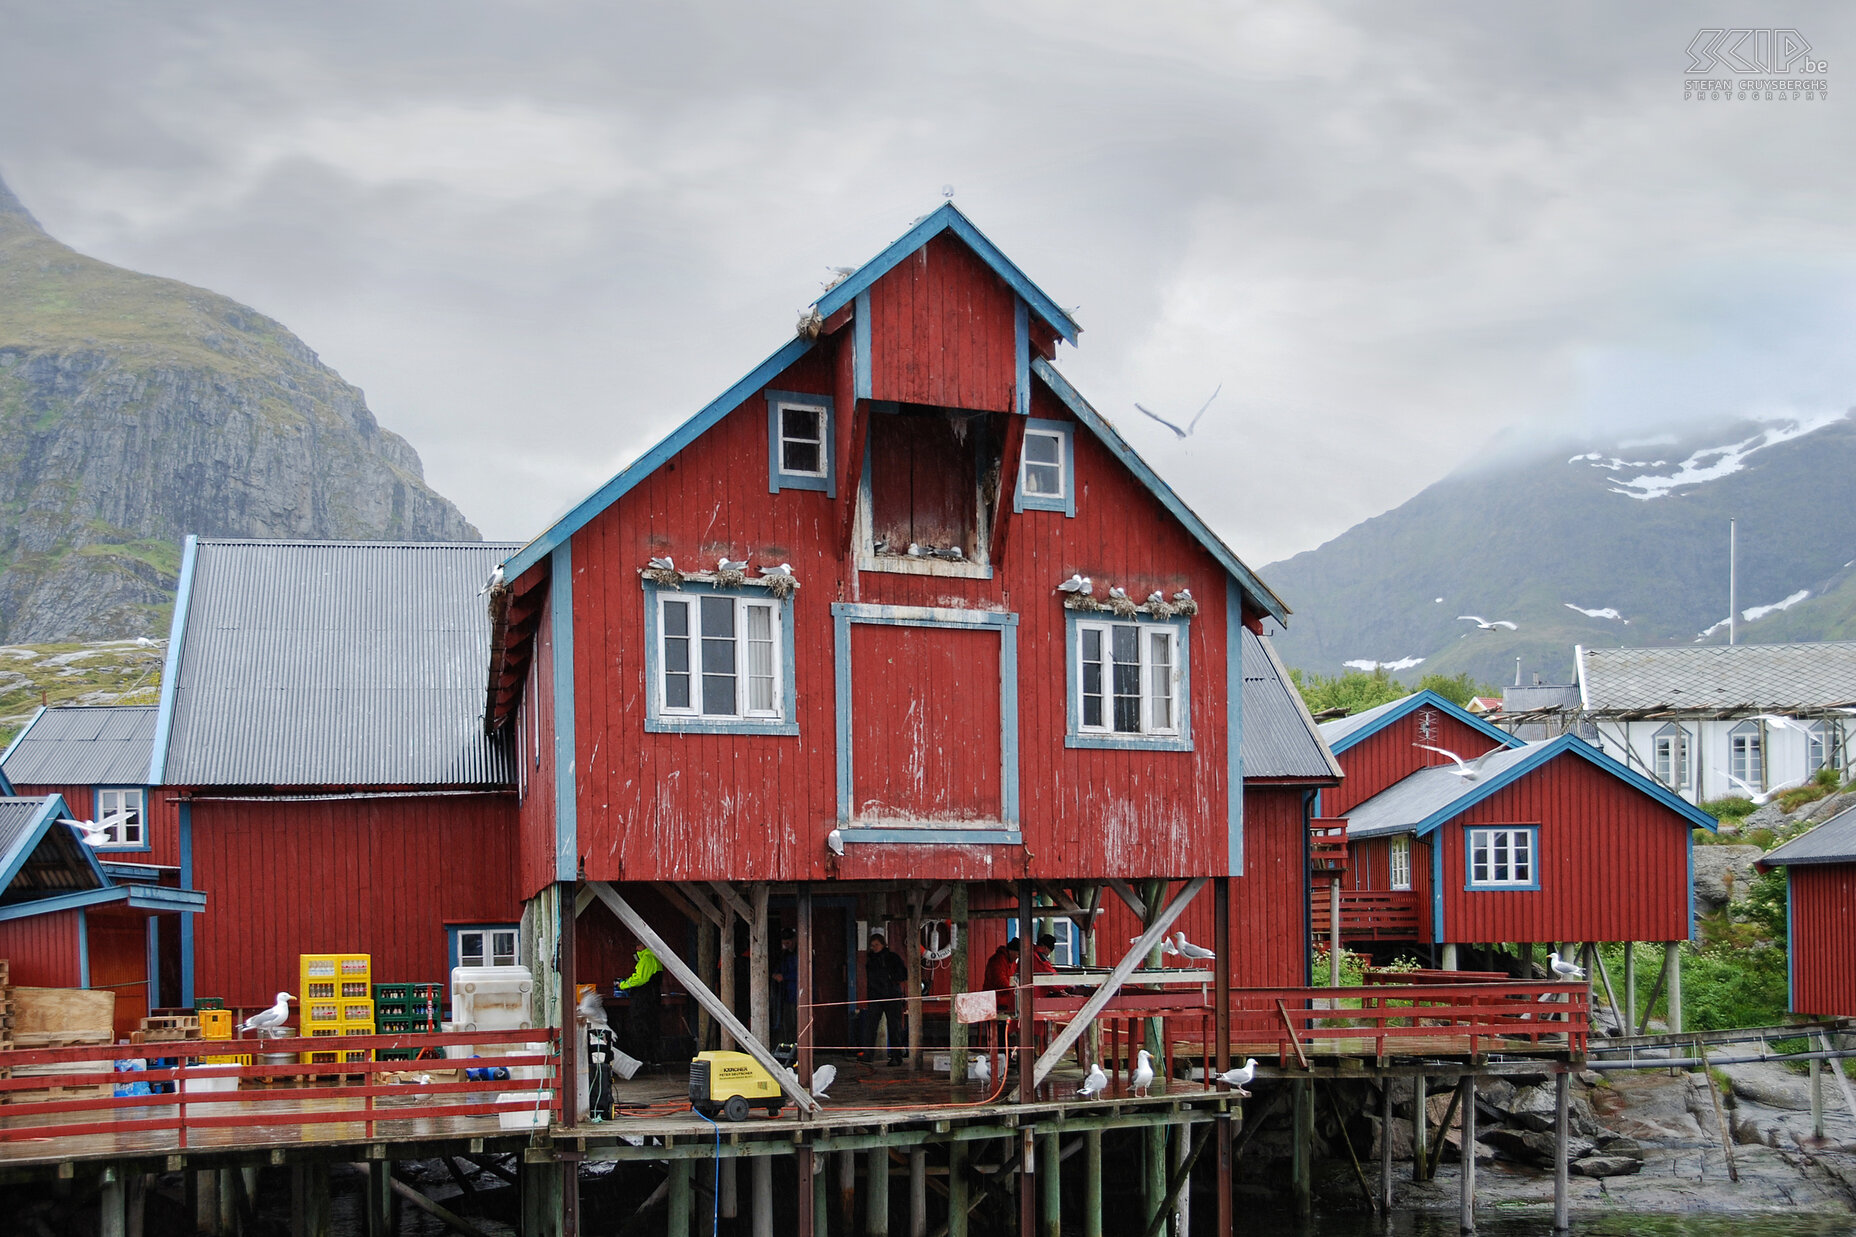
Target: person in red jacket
(1002,967)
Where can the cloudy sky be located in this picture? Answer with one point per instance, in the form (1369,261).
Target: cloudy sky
(539,234)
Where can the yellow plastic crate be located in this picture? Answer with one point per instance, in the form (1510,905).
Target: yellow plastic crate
(329,1058)
(336,975)
(324,1012)
(215,1024)
(242,1059)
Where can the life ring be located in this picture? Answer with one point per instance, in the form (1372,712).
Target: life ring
(932,931)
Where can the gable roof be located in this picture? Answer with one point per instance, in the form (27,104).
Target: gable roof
(1344,732)
(1426,799)
(1718,678)
(329,664)
(1280,739)
(39,856)
(1834,841)
(83,745)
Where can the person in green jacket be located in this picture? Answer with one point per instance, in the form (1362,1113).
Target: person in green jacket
(644,989)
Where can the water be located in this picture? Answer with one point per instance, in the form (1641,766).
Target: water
(1502,1222)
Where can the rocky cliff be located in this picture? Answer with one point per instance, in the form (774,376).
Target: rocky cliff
(135,410)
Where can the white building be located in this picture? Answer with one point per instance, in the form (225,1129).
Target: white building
(1697,719)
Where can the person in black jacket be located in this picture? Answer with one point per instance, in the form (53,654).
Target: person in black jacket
(885,974)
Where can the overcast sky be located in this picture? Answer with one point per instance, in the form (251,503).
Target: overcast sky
(539,235)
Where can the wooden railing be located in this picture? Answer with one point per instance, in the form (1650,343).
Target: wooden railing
(1327,845)
(1374,976)
(1366,915)
(281,1095)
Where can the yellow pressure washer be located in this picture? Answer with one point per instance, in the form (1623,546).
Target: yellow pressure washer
(733,1084)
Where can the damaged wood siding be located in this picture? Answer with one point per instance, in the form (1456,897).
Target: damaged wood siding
(1823,938)
(379,876)
(535,735)
(1390,755)
(43,950)
(941,331)
(929,744)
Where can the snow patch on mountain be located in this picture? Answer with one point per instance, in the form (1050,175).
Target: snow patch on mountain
(1759,612)
(1709,463)
(1403,663)
(1605,613)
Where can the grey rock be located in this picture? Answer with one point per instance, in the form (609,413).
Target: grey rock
(1764,1087)
(1619,1144)
(1724,874)
(1534,1147)
(1533,1108)
(1607,1166)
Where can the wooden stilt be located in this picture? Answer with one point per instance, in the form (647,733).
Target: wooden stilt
(206,1203)
(1335,950)
(1630,986)
(1817,1100)
(541,1200)
(762,1186)
(876,1193)
(1385,1146)
(1092,1183)
(1027,1165)
(1182,1200)
(957,980)
(725,976)
(847,1191)
(1050,1175)
(918,1193)
(729,1191)
(912,954)
(112,1206)
(708,947)
(377,1209)
(1226,1224)
(802,999)
(1301,1163)
(760,1006)
(1672,954)
(678,1224)
(957,1187)
(309,1188)
(1449,963)
(1420,1126)
(805,1196)
(1561,1138)
(1467,1220)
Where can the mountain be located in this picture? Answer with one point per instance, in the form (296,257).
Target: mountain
(135,410)
(1602,544)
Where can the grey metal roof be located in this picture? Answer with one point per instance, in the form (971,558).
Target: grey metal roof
(1280,739)
(1410,801)
(1834,841)
(1719,678)
(89,745)
(36,862)
(1341,727)
(334,664)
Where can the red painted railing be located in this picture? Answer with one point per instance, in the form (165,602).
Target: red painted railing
(1365,914)
(282,1095)
(1327,845)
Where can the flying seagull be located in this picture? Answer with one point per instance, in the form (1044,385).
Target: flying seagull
(1187,949)
(1485,624)
(1563,968)
(87,831)
(1783,723)
(1095,1084)
(271,1018)
(592,1009)
(1463,769)
(1143,1074)
(1238,1079)
(1190,425)
(1760,797)
(822,1078)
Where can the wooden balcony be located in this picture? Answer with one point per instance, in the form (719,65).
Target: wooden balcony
(1366,914)
(1327,846)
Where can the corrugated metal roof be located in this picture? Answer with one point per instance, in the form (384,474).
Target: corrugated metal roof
(1410,801)
(1834,841)
(1720,678)
(335,664)
(92,745)
(1280,739)
(16,817)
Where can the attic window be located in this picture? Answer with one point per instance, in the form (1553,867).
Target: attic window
(931,476)
(1047,469)
(799,442)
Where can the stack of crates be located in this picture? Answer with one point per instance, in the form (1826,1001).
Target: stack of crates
(406,1008)
(216,1023)
(337,1000)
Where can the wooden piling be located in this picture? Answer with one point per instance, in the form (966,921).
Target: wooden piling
(1467,1107)
(1050,1174)
(1420,1126)
(1561,1138)
(847,1191)
(1630,987)
(957,983)
(728,1200)
(1817,1100)
(1182,1201)
(762,1186)
(112,1206)
(918,1192)
(912,955)
(1226,1225)
(760,1018)
(876,1193)
(1302,1154)
(957,1181)
(1092,1183)
(708,947)
(541,1200)
(678,1224)
(1385,1146)
(1672,960)
(377,1201)
(309,1203)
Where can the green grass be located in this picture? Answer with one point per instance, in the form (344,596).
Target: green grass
(109,672)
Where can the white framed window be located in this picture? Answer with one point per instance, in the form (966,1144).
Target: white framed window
(121,812)
(1398,863)
(1128,683)
(1670,746)
(799,442)
(1746,754)
(486,945)
(1503,858)
(719,660)
(1046,468)
(1816,749)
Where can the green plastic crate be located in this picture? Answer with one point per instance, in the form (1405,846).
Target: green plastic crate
(393,992)
(209,1002)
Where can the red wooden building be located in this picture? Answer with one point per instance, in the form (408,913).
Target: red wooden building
(1820,899)
(1460,834)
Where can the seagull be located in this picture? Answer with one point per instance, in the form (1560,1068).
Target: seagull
(1095,1084)
(1485,624)
(88,831)
(952,554)
(1143,1074)
(822,1078)
(143,642)
(784,569)
(271,1018)
(663,564)
(1564,969)
(1076,584)
(592,1010)
(834,842)
(1238,1079)
(1167,948)
(1155,598)
(880,546)
(920,551)
(1760,797)
(1190,425)
(494,582)
(1184,594)
(732,564)
(1188,950)
(1118,592)
(1783,723)
(1463,769)
(980,1067)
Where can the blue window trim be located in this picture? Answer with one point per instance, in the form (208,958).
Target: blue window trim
(1006,831)
(566,791)
(1234,727)
(777,478)
(1066,456)
(1469,858)
(97,818)
(654,723)
(1075,736)
(453,929)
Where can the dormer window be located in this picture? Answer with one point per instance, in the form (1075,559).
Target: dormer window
(799,442)
(1047,469)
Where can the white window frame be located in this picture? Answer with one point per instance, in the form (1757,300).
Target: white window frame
(123,835)
(1508,854)
(1177,734)
(823,416)
(1669,756)
(1064,500)
(1398,863)
(1746,754)
(748,717)
(779,476)
(487,939)
(1818,752)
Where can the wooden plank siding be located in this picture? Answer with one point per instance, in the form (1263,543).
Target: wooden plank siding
(941,331)
(162,820)
(1391,755)
(1823,938)
(376,876)
(119,961)
(44,950)
(1613,863)
(535,753)
(928,745)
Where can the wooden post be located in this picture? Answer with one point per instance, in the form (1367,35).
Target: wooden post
(1562,1136)
(1334,945)
(847,1190)
(1027,1055)
(725,977)
(1226,1225)
(309,1187)
(1301,1161)
(1630,987)
(378,1200)
(1672,960)
(1027,1165)
(541,1200)
(1449,963)
(821,1195)
(678,1224)
(957,983)
(112,1205)
(957,1177)
(1817,1100)
(1467,1108)
(1182,1201)
(1526,950)
(918,1192)
(1385,1147)
(876,1193)
(1092,1183)
(1051,1173)
(1420,1126)
(802,998)
(760,1017)
(726,1187)
(763,1195)
(912,954)
(707,947)
(805,1196)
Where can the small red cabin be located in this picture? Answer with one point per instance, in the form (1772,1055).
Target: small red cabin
(1820,892)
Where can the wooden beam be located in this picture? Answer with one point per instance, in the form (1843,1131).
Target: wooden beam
(701,899)
(448,1218)
(732,900)
(1126,893)
(1181,1175)
(690,910)
(582,900)
(1010,449)
(750,1044)
(1137,953)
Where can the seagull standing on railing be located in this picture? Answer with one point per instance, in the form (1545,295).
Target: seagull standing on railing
(1095,1084)
(1187,949)
(1238,1079)
(1143,1074)
(1564,969)
(272,1018)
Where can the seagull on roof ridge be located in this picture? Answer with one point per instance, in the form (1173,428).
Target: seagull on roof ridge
(1190,425)
(1486,624)
(1463,768)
